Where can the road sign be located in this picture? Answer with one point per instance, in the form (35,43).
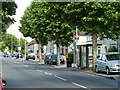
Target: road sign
(19,48)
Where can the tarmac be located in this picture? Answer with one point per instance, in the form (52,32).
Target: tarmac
(115,76)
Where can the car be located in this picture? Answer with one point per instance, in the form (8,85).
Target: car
(19,55)
(13,54)
(5,54)
(53,59)
(108,62)
(47,59)
(2,84)
(30,56)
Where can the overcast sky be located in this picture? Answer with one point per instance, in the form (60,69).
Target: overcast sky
(13,29)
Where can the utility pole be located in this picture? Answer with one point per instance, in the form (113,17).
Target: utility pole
(76,46)
(25,49)
(11,43)
(74,49)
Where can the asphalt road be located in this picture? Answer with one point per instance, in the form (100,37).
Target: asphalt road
(24,74)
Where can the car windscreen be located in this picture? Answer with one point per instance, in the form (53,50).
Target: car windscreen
(113,57)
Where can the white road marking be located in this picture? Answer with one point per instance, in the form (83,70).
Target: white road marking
(16,63)
(48,73)
(25,65)
(39,70)
(60,78)
(79,85)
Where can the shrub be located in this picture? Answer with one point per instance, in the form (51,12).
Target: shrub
(23,51)
(70,56)
(112,49)
(31,51)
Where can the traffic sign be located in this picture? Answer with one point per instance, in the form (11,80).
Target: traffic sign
(19,48)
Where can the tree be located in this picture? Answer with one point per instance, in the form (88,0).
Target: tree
(8,9)
(96,18)
(33,24)
(6,42)
(59,30)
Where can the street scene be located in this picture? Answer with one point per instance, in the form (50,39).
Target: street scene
(60,45)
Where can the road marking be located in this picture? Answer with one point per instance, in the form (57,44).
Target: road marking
(48,73)
(60,78)
(79,85)
(16,63)
(39,70)
(25,65)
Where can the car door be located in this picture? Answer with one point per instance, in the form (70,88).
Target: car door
(103,62)
(98,61)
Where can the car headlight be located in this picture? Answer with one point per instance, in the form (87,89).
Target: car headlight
(113,66)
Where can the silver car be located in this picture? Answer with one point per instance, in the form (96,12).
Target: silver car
(108,62)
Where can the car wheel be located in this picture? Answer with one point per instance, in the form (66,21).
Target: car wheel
(33,58)
(96,69)
(107,71)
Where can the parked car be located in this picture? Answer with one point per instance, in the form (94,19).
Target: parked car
(5,54)
(30,56)
(19,55)
(53,59)
(108,62)
(47,59)
(13,54)
(2,84)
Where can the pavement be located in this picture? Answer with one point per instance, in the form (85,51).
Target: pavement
(89,70)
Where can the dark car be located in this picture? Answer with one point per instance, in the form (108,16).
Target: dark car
(53,59)
(47,59)
(30,56)
(19,55)
(13,54)
(5,54)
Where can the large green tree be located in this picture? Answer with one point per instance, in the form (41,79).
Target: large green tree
(6,42)
(33,24)
(59,30)
(7,10)
(96,18)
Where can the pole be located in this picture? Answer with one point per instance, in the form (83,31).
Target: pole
(25,49)
(11,43)
(76,46)
(74,50)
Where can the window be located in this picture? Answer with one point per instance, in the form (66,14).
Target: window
(103,57)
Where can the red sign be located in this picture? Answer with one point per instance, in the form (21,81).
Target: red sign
(73,33)
(77,36)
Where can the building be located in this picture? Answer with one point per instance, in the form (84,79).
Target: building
(119,44)
(32,46)
(52,48)
(84,48)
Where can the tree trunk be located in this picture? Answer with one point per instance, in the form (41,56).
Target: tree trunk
(94,41)
(58,55)
(39,47)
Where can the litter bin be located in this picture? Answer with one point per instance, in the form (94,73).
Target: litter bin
(69,62)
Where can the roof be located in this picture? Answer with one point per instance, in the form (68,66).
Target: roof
(32,42)
(108,53)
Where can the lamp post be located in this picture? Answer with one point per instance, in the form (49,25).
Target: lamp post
(11,43)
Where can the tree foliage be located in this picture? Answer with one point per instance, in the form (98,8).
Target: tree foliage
(6,42)
(8,9)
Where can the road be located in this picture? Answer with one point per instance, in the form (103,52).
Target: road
(24,74)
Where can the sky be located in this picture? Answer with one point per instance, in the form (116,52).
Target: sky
(13,29)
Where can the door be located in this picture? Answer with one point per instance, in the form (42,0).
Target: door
(103,63)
